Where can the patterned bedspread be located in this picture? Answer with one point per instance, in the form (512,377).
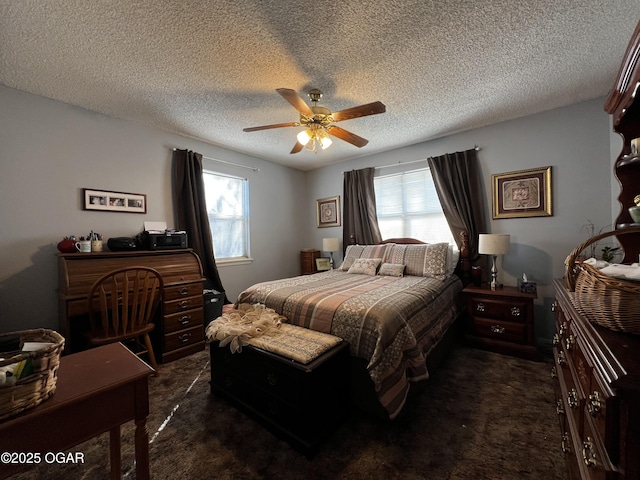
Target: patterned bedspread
(392,322)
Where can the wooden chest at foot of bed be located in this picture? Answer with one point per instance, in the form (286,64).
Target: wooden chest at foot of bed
(299,403)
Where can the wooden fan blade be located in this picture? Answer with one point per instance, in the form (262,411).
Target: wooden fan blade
(294,99)
(361,111)
(267,127)
(297,148)
(347,136)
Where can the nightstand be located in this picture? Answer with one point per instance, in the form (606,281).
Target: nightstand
(308,261)
(501,320)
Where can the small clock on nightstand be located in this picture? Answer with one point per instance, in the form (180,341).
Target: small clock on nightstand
(501,320)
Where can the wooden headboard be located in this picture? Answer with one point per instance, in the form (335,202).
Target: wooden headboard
(463,269)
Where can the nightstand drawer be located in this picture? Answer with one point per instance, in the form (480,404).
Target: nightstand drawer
(511,310)
(506,331)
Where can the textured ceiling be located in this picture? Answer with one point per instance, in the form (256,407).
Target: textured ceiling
(206,69)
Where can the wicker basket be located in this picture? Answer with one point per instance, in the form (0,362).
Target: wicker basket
(32,390)
(608,301)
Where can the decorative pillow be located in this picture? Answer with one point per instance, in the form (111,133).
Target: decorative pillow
(426,260)
(365,266)
(453,255)
(363,251)
(391,269)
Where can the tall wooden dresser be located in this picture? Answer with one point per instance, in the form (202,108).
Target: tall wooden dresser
(598,394)
(179,329)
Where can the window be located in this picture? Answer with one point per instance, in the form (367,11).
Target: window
(227,200)
(408,206)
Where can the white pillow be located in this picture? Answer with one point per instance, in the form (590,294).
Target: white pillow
(365,266)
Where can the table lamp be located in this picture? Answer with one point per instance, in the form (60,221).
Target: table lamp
(494,245)
(331,245)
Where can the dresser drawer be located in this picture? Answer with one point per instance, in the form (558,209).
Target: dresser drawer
(183,338)
(182,320)
(182,291)
(510,310)
(501,330)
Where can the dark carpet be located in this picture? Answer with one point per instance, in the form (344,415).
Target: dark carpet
(481,416)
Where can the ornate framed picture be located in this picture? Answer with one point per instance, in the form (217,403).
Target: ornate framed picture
(525,193)
(107,201)
(328,211)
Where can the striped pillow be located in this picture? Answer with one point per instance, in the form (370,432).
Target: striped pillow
(363,251)
(427,260)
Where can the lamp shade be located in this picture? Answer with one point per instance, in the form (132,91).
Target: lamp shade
(493,244)
(330,244)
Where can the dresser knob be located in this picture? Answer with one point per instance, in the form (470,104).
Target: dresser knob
(184,290)
(595,405)
(556,339)
(184,304)
(559,407)
(565,443)
(554,306)
(184,338)
(184,320)
(572,398)
(588,454)
(561,359)
(497,329)
(515,311)
(480,307)
(554,372)
(570,342)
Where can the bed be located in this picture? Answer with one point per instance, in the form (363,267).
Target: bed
(396,304)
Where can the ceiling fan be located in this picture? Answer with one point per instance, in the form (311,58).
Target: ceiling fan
(319,121)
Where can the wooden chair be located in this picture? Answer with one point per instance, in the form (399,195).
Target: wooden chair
(122,306)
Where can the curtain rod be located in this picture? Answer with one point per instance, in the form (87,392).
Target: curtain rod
(476,148)
(255,169)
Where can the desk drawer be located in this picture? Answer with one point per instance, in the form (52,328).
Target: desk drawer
(182,291)
(183,304)
(182,338)
(182,320)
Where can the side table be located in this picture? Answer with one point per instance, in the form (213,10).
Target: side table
(501,320)
(97,390)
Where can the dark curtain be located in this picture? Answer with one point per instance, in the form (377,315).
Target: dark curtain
(360,219)
(191,212)
(457,180)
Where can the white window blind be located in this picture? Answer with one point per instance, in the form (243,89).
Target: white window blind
(408,206)
(227,199)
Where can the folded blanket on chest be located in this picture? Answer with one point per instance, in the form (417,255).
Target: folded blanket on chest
(263,328)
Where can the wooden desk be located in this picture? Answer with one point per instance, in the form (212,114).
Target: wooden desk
(179,329)
(97,391)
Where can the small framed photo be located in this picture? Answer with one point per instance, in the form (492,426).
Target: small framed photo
(328,212)
(525,193)
(323,264)
(108,201)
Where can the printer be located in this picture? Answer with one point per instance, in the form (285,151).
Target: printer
(157,237)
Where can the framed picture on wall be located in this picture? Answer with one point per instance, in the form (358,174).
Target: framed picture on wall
(525,193)
(108,201)
(328,212)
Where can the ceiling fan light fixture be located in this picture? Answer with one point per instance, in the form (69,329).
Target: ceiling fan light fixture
(304,136)
(325,141)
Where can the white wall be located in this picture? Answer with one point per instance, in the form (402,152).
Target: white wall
(49,151)
(574,140)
